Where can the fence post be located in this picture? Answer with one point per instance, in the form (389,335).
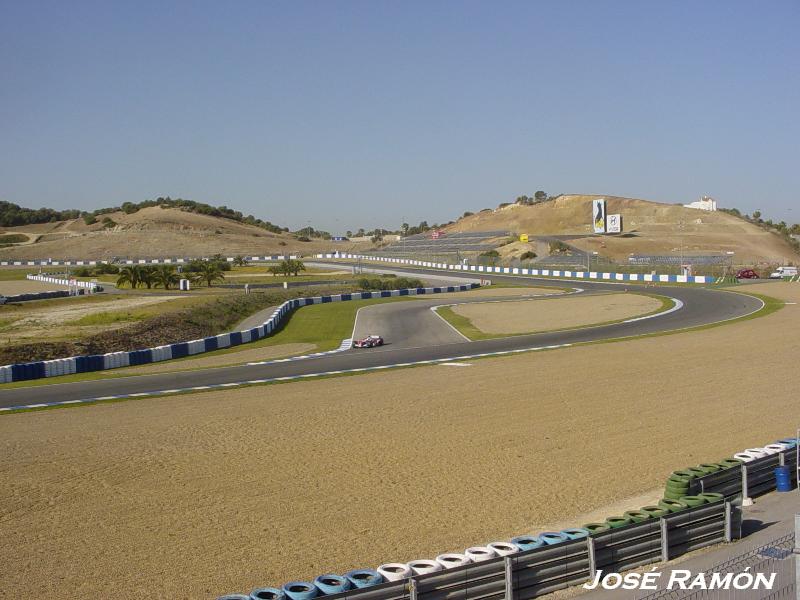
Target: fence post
(728,523)
(664,540)
(509,563)
(796,552)
(592,558)
(746,499)
(412,589)
(782,459)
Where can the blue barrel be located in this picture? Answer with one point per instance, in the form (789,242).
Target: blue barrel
(783,479)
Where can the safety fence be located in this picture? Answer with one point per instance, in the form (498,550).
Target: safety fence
(748,479)
(534,573)
(591,275)
(136,261)
(88,285)
(114,360)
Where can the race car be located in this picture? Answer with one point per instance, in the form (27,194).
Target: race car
(369,342)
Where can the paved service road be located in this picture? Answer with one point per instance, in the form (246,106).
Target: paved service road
(700,306)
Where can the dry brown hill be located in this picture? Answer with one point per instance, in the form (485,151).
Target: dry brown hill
(649,228)
(157,232)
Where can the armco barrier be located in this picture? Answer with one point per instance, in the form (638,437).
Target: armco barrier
(480,269)
(41,295)
(113,360)
(544,570)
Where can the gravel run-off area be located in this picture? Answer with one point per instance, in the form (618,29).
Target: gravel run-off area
(196,495)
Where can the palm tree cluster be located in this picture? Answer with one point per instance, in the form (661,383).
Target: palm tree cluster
(149,276)
(288,267)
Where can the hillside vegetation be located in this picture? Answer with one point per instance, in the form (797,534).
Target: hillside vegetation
(158,231)
(649,228)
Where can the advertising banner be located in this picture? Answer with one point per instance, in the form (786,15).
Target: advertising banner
(614,224)
(599,215)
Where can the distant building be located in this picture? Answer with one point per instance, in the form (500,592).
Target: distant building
(705,203)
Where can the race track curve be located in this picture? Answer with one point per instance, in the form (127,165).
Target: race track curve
(701,306)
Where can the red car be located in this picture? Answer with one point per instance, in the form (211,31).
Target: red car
(747,274)
(369,342)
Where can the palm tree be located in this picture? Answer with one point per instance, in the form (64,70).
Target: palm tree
(130,276)
(165,276)
(147,276)
(209,272)
(240,261)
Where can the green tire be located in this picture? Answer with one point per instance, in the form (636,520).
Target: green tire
(655,511)
(693,501)
(637,516)
(729,463)
(617,522)
(674,495)
(676,487)
(711,497)
(595,528)
(672,505)
(685,473)
(698,472)
(709,467)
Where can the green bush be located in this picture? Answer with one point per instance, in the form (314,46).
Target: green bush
(89,219)
(396,283)
(527,255)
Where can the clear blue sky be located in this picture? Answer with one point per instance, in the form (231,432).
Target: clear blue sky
(350,114)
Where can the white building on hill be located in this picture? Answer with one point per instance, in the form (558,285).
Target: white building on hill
(705,203)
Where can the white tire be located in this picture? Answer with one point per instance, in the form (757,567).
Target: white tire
(778,447)
(450,561)
(394,571)
(480,553)
(423,567)
(745,456)
(757,452)
(504,548)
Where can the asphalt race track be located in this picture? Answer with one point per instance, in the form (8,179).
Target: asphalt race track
(700,307)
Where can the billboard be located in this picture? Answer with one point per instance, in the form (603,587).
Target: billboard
(599,215)
(614,224)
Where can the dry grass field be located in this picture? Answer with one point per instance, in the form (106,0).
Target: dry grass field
(498,291)
(192,496)
(11,288)
(557,313)
(159,231)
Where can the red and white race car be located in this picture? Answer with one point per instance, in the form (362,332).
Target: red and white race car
(369,342)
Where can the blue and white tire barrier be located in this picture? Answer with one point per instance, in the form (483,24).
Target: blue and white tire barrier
(41,295)
(576,533)
(479,553)
(423,567)
(394,571)
(332,584)
(300,590)
(613,277)
(88,285)
(114,360)
(503,548)
(364,578)
(453,560)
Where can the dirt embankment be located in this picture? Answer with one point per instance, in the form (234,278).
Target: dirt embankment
(219,315)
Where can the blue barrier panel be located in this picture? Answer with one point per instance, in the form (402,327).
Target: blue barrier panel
(37,370)
(366,295)
(386,293)
(450,288)
(211,343)
(95,362)
(180,350)
(296,303)
(140,357)
(420,290)
(347,297)
(404,292)
(254,334)
(236,338)
(17,372)
(437,290)
(326,299)
(81,364)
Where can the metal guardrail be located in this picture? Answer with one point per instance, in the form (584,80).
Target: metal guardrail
(544,570)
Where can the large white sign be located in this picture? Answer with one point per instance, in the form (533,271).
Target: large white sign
(599,215)
(614,224)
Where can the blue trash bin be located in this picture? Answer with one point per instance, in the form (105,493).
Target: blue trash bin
(783,479)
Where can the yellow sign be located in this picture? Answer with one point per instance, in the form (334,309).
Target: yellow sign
(523,237)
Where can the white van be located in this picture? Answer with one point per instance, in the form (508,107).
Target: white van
(782,272)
